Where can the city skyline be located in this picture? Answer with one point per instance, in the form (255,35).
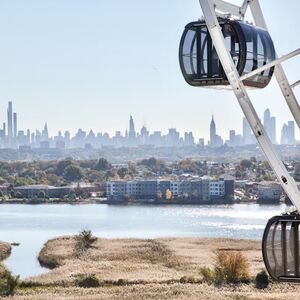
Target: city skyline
(61,61)
(11,137)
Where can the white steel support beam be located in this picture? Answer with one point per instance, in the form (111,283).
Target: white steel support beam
(244,8)
(227,7)
(282,80)
(271,64)
(230,8)
(242,96)
(295,84)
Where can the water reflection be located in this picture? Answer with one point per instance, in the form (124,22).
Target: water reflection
(33,225)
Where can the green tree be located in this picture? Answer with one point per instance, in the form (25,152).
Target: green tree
(238,174)
(41,195)
(265,165)
(153,164)
(62,165)
(18,195)
(72,173)
(246,164)
(19,181)
(102,165)
(122,172)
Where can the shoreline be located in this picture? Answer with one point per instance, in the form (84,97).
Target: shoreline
(136,202)
(164,268)
(5,252)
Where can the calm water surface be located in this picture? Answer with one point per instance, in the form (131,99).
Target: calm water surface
(33,225)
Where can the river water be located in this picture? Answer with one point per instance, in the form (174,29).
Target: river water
(33,225)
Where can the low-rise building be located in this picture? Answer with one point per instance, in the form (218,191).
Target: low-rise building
(217,188)
(267,191)
(48,191)
(200,190)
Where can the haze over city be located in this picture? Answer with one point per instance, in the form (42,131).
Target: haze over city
(12,136)
(75,71)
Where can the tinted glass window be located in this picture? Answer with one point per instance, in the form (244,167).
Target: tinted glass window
(189,52)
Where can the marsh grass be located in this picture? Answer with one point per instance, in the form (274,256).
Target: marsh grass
(87,281)
(262,280)
(230,267)
(156,252)
(84,241)
(8,283)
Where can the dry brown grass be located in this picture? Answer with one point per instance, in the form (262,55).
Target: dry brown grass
(230,267)
(110,260)
(174,291)
(146,269)
(136,260)
(5,250)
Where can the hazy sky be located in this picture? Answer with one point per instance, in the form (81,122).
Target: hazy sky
(92,63)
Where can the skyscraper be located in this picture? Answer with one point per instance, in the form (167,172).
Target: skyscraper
(273,130)
(132,137)
(15,125)
(213,132)
(144,135)
(291,133)
(9,121)
(45,134)
(288,133)
(247,134)
(132,133)
(270,125)
(215,140)
(232,136)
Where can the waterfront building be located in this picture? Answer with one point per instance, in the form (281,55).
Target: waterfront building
(197,190)
(217,188)
(267,191)
(175,188)
(163,186)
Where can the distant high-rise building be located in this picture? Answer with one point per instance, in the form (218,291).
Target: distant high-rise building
(248,137)
(201,142)
(9,121)
(144,135)
(291,133)
(288,133)
(132,133)
(189,139)
(270,125)
(45,133)
(273,130)
(172,137)
(215,140)
(15,125)
(67,135)
(213,131)
(28,136)
(2,134)
(32,138)
(232,137)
